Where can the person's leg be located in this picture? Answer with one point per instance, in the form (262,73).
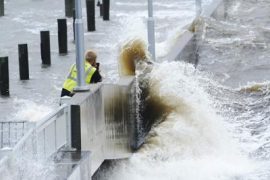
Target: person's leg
(66,93)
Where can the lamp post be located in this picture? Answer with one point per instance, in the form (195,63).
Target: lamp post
(151,30)
(79,41)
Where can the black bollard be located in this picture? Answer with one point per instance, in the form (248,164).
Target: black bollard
(4,76)
(2,8)
(101,10)
(90,10)
(98,3)
(106,10)
(74,17)
(69,6)
(62,36)
(23,61)
(45,47)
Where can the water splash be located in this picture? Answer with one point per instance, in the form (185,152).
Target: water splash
(30,111)
(192,142)
(131,52)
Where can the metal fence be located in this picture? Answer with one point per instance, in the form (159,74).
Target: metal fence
(11,132)
(49,134)
(41,140)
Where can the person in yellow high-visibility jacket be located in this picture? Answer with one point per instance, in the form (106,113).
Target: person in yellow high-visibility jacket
(92,74)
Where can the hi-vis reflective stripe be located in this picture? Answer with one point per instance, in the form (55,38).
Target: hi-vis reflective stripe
(88,71)
(72,70)
(70,74)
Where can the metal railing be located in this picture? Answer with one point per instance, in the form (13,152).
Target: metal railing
(11,132)
(49,134)
(45,138)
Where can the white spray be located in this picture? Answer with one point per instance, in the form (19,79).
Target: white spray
(192,143)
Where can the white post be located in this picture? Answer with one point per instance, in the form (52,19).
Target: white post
(198,7)
(151,30)
(79,41)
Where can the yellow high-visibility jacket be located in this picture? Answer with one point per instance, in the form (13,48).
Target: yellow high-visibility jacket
(71,81)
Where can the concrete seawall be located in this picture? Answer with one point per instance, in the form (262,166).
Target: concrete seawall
(185,47)
(103,120)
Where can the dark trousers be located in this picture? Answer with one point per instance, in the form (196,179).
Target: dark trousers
(66,93)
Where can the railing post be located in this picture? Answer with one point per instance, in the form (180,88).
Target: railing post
(2,8)
(106,10)
(62,36)
(23,61)
(90,11)
(4,76)
(34,143)
(76,127)
(45,47)
(68,126)
(151,30)
(69,6)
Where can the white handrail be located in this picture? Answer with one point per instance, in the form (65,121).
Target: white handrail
(53,120)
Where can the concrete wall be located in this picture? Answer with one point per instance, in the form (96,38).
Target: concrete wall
(120,117)
(186,46)
(101,121)
(72,165)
